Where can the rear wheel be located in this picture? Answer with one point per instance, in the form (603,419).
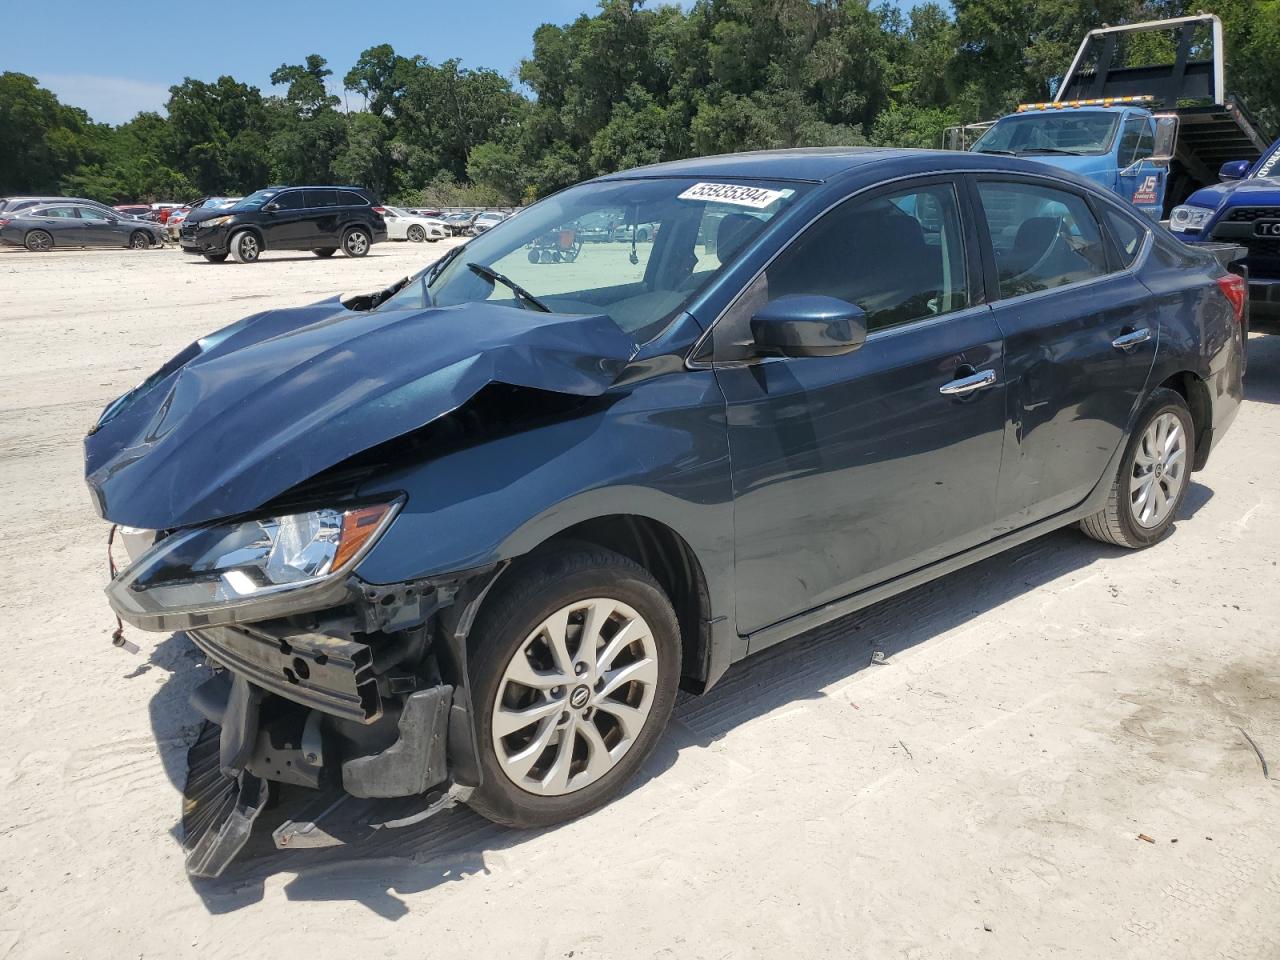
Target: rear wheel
(574,674)
(39,241)
(139,240)
(356,242)
(1153,477)
(324,251)
(244,247)
(416,233)
(215,257)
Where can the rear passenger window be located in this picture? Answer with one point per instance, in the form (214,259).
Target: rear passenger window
(899,256)
(1043,237)
(349,199)
(322,198)
(1127,234)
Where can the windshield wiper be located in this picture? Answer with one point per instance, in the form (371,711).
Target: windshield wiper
(1034,150)
(523,295)
(1003,153)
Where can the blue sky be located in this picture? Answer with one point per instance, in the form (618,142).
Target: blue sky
(114,59)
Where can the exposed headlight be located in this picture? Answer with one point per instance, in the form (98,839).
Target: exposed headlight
(241,564)
(1185,218)
(214,222)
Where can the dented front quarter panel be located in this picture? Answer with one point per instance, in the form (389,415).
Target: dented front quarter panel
(275,399)
(654,445)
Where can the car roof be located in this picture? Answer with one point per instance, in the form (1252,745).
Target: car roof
(820,164)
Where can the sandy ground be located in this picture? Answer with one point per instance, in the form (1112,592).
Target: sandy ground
(981,795)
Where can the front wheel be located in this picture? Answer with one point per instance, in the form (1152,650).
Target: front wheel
(139,240)
(416,233)
(1152,481)
(574,674)
(356,242)
(245,248)
(39,241)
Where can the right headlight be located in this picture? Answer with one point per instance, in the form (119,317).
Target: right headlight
(208,572)
(214,222)
(1184,218)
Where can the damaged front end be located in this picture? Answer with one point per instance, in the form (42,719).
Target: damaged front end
(342,685)
(259,454)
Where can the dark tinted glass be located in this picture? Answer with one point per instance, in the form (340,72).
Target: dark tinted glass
(1043,237)
(1126,232)
(290,200)
(322,198)
(349,198)
(899,256)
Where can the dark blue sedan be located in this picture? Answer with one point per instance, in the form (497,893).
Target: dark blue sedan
(463,539)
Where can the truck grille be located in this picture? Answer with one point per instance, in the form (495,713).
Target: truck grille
(1249,214)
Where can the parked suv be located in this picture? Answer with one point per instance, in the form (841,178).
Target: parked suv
(319,219)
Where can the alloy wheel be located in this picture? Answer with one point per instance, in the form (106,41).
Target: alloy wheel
(39,241)
(1159,470)
(248,247)
(357,243)
(575,696)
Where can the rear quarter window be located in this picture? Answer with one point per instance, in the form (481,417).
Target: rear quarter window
(349,198)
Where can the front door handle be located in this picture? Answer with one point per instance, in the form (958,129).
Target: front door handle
(1128,340)
(964,385)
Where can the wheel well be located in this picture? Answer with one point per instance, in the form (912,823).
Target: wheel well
(1193,390)
(248,228)
(672,562)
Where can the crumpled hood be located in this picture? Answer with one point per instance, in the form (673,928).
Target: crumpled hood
(246,413)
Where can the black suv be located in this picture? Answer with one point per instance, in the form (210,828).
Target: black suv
(319,219)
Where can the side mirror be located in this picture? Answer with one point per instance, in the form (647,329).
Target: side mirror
(1166,141)
(1234,170)
(271,208)
(807,325)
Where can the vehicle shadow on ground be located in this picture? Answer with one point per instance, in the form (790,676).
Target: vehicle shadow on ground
(452,846)
(1262,381)
(278,258)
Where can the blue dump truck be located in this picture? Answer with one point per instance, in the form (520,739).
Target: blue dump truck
(1243,209)
(1143,111)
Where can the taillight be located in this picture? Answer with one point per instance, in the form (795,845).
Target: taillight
(3,222)
(1233,287)
(379,210)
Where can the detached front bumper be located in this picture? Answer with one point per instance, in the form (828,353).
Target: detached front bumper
(201,242)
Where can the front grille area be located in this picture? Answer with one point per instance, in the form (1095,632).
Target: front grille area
(1249,214)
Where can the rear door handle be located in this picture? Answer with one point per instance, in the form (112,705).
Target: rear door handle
(1132,339)
(975,381)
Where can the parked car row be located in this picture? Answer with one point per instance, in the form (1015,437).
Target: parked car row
(41,225)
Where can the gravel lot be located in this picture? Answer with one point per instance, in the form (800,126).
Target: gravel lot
(982,794)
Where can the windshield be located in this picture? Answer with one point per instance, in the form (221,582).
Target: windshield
(256,200)
(1076,132)
(556,257)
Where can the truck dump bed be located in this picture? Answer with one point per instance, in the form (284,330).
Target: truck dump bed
(1181,62)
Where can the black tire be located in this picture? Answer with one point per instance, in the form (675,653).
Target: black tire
(526,595)
(324,251)
(216,257)
(415,233)
(356,242)
(140,240)
(534,256)
(1115,523)
(39,241)
(244,247)
(642,236)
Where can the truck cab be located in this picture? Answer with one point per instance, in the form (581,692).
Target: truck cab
(1243,208)
(1113,144)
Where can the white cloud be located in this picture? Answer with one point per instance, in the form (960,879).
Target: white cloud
(106,99)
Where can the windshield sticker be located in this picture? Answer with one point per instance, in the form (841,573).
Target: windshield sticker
(757,198)
(1266,168)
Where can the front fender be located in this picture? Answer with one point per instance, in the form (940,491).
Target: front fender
(656,449)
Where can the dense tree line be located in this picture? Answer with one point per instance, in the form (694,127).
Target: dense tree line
(631,84)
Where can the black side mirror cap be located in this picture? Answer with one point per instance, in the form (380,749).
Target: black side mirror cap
(808,325)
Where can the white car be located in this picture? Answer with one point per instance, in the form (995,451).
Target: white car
(404,225)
